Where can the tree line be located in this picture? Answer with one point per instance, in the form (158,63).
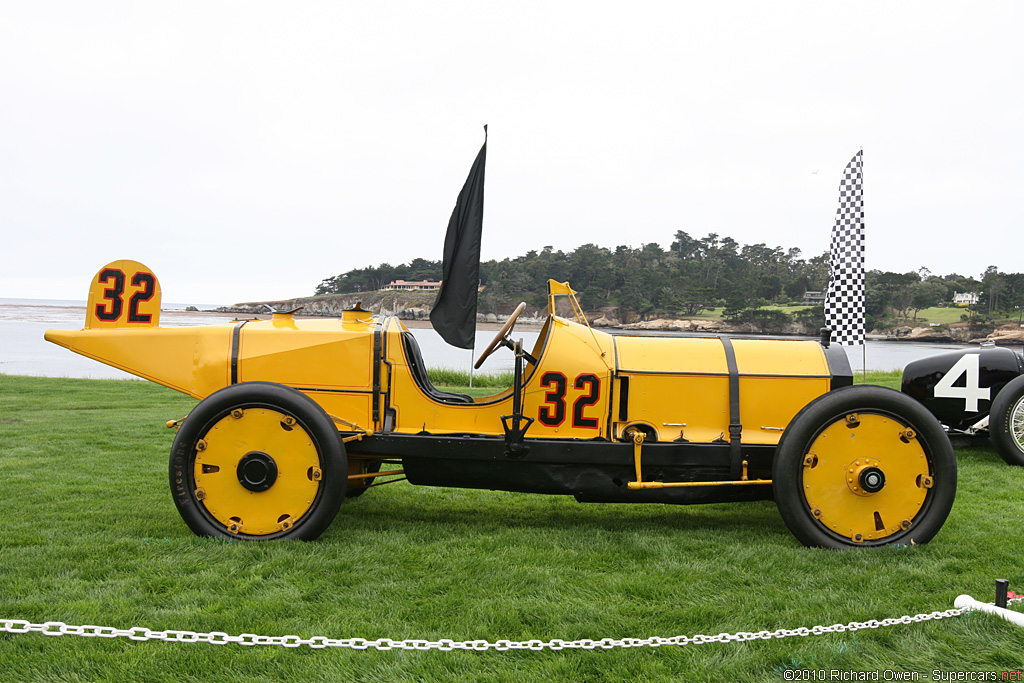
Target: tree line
(693,275)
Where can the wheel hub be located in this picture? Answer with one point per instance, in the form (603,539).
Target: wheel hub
(865,476)
(872,479)
(257,471)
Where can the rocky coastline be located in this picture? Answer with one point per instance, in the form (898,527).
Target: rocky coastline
(962,333)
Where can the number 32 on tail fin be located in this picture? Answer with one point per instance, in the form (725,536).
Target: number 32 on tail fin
(123,294)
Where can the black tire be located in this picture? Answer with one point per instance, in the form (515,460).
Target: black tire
(894,485)
(261,451)
(1006,422)
(361,466)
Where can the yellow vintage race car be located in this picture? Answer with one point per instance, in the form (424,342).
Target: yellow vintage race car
(295,415)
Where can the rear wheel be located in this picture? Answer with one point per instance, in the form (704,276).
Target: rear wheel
(1006,422)
(864,466)
(258,460)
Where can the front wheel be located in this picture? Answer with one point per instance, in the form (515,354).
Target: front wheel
(864,466)
(1006,428)
(258,460)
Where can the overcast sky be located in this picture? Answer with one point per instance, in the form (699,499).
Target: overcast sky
(248,150)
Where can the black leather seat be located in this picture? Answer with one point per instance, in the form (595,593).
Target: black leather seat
(419,373)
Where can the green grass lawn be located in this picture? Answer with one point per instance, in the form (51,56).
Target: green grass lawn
(484,383)
(716,313)
(937,314)
(885,378)
(90,536)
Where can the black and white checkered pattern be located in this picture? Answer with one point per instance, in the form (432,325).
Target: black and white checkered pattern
(844,306)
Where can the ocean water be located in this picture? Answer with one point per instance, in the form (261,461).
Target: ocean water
(23,351)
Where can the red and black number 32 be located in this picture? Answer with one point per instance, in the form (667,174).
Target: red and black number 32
(124,294)
(553,411)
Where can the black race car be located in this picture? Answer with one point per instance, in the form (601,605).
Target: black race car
(974,393)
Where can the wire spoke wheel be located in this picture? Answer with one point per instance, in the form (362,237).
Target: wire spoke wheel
(1017,425)
(1006,426)
(256,461)
(864,466)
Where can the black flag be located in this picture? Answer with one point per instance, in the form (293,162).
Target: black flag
(454,312)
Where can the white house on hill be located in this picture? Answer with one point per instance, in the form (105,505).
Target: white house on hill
(965,298)
(414,285)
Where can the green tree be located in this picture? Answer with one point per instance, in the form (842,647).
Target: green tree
(897,290)
(927,294)
(691,275)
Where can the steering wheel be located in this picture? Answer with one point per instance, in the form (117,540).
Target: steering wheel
(501,339)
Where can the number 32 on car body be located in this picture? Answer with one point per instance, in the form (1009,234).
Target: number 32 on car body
(553,410)
(123,294)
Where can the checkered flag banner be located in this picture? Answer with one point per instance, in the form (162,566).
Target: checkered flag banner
(844,305)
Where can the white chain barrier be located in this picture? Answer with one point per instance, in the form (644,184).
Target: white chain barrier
(59,628)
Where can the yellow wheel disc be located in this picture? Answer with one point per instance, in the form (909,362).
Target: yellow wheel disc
(866,477)
(278,449)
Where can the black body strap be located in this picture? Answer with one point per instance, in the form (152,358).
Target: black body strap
(735,428)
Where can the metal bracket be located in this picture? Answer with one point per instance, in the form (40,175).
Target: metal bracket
(176,424)
(981,426)
(514,433)
(271,309)
(638,441)
(640,484)
(516,424)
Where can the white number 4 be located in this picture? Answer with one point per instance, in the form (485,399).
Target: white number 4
(970,392)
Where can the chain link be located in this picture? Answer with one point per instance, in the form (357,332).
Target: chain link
(59,628)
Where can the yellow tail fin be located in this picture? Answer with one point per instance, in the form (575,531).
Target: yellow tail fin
(123,295)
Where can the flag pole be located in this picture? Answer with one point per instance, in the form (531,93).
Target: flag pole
(472,354)
(864,339)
